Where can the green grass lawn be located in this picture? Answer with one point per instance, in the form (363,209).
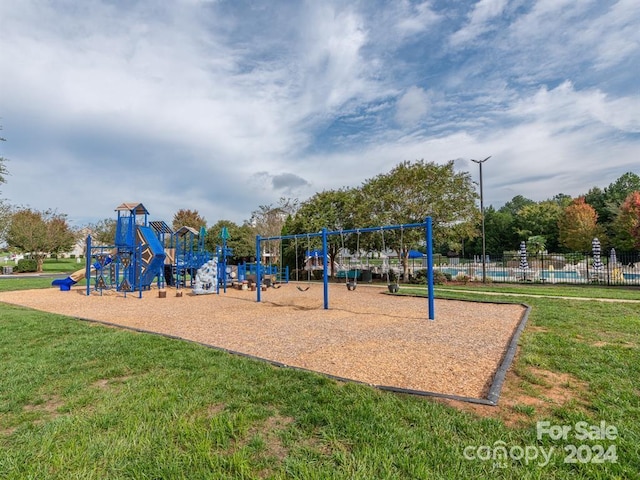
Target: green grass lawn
(630,293)
(57,265)
(62,265)
(80,400)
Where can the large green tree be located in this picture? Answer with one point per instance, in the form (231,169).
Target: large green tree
(540,219)
(516,204)
(500,233)
(188,218)
(5,219)
(103,232)
(269,221)
(39,234)
(241,239)
(334,210)
(412,191)
(607,201)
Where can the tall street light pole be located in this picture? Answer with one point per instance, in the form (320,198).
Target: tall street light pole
(484,244)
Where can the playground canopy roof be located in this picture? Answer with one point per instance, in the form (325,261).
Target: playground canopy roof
(135,208)
(182,231)
(159,226)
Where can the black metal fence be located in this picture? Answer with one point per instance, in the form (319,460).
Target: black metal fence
(571,268)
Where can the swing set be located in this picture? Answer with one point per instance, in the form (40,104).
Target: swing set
(274,274)
(351,283)
(324,234)
(303,289)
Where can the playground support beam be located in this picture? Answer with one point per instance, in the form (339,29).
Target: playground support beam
(428,229)
(87,275)
(430,292)
(258,268)
(325,268)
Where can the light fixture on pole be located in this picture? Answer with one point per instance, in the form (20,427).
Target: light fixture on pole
(484,245)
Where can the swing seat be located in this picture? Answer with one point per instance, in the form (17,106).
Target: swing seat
(351,286)
(393,287)
(303,289)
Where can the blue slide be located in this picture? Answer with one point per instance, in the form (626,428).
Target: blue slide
(65,284)
(153,255)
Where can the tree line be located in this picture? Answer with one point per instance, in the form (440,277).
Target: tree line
(406,194)
(564,224)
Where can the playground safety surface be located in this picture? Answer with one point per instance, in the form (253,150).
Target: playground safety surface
(365,336)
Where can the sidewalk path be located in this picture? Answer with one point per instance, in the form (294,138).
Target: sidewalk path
(532,295)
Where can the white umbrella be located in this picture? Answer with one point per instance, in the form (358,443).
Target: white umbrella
(597,251)
(524,265)
(612,258)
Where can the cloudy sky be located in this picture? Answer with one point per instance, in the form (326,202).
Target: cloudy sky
(223,106)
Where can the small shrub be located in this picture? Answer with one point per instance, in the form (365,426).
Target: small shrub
(419,277)
(26,265)
(440,278)
(461,277)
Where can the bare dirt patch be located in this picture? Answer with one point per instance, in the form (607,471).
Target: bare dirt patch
(269,431)
(364,336)
(105,383)
(550,390)
(50,406)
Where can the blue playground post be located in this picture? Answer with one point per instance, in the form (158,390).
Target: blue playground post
(224,235)
(325,268)
(258,268)
(430,293)
(88,269)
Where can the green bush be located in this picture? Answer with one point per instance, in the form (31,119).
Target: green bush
(440,278)
(419,277)
(26,265)
(461,277)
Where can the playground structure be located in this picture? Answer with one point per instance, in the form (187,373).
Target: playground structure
(145,252)
(323,254)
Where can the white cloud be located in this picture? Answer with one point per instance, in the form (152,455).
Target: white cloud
(412,106)
(564,108)
(220,107)
(480,21)
(415,18)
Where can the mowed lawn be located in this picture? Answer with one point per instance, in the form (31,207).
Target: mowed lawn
(81,400)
